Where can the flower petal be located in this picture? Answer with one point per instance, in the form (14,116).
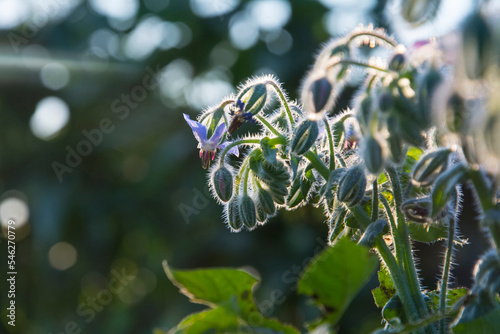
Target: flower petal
(233,150)
(221,129)
(199,130)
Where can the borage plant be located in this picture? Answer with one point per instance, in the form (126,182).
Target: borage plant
(388,172)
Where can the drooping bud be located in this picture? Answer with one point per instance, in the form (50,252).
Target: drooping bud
(223,184)
(418,11)
(385,101)
(319,95)
(304,137)
(364,114)
(430,166)
(254,98)
(265,200)
(247,211)
(456,114)
(393,311)
(233,214)
(410,131)
(372,155)
(396,148)
(427,86)
(352,186)
(444,187)
(419,210)
(373,230)
(398,62)
(477,46)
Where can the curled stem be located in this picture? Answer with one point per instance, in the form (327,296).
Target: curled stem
(268,125)
(283,100)
(330,144)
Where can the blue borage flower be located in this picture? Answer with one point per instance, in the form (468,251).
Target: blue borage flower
(208,147)
(239,116)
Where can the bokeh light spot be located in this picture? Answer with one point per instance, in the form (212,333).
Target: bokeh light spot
(16,209)
(211,8)
(54,76)
(51,115)
(62,256)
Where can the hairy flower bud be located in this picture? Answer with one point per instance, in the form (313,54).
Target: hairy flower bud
(373,230)
(418,11)
(364,114)
(247,211)
(304,137)
(477,46)
(223,184)
(427,86)
(352,186)
(430,166)
(456,114)
(444,187)
(372,155)
(419,210)
(398,62)
(265,200)
(233,215)
(254,98)
(319,95)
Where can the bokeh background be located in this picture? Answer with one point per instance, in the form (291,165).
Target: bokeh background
(93,227)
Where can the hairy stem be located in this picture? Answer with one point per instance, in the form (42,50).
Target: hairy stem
(268,125)
(375,201)
(283,100)
(405,255)
(318,164)
(330,144)
(375,34)
(357,63)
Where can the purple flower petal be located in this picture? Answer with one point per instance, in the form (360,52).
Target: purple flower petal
(199,130)
(233,150)
(218,133)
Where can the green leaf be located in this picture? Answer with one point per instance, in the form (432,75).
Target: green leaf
(219,319)
(427,232)
(489,324)
(386,290)
(228,292)
(211,286)
(452,297)
(268,150)
(336,275)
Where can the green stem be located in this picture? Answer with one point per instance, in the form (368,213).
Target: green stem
(375,200)
(236,143)
(403,247)
(357,63)
(318,164)
(284,102)
(268,125)
(330,144)
(375,34)
(446,269)
(245,180)
(394,269)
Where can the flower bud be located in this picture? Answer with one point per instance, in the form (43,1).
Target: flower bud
(265,201)
(427,86)
(398,62)
(419,210)
(444,187)
(304,137)
(254,98)
(352,186)
(372,155)
(247,211)
(456,114)
(223,184)
(418,11)
(260,214)
(320,95)
(373,230)
(295,196)
(430,166)
(477,46)
(364,114)
(396,149)
(410,131)
(385,101)
(233,215)
(393,311)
